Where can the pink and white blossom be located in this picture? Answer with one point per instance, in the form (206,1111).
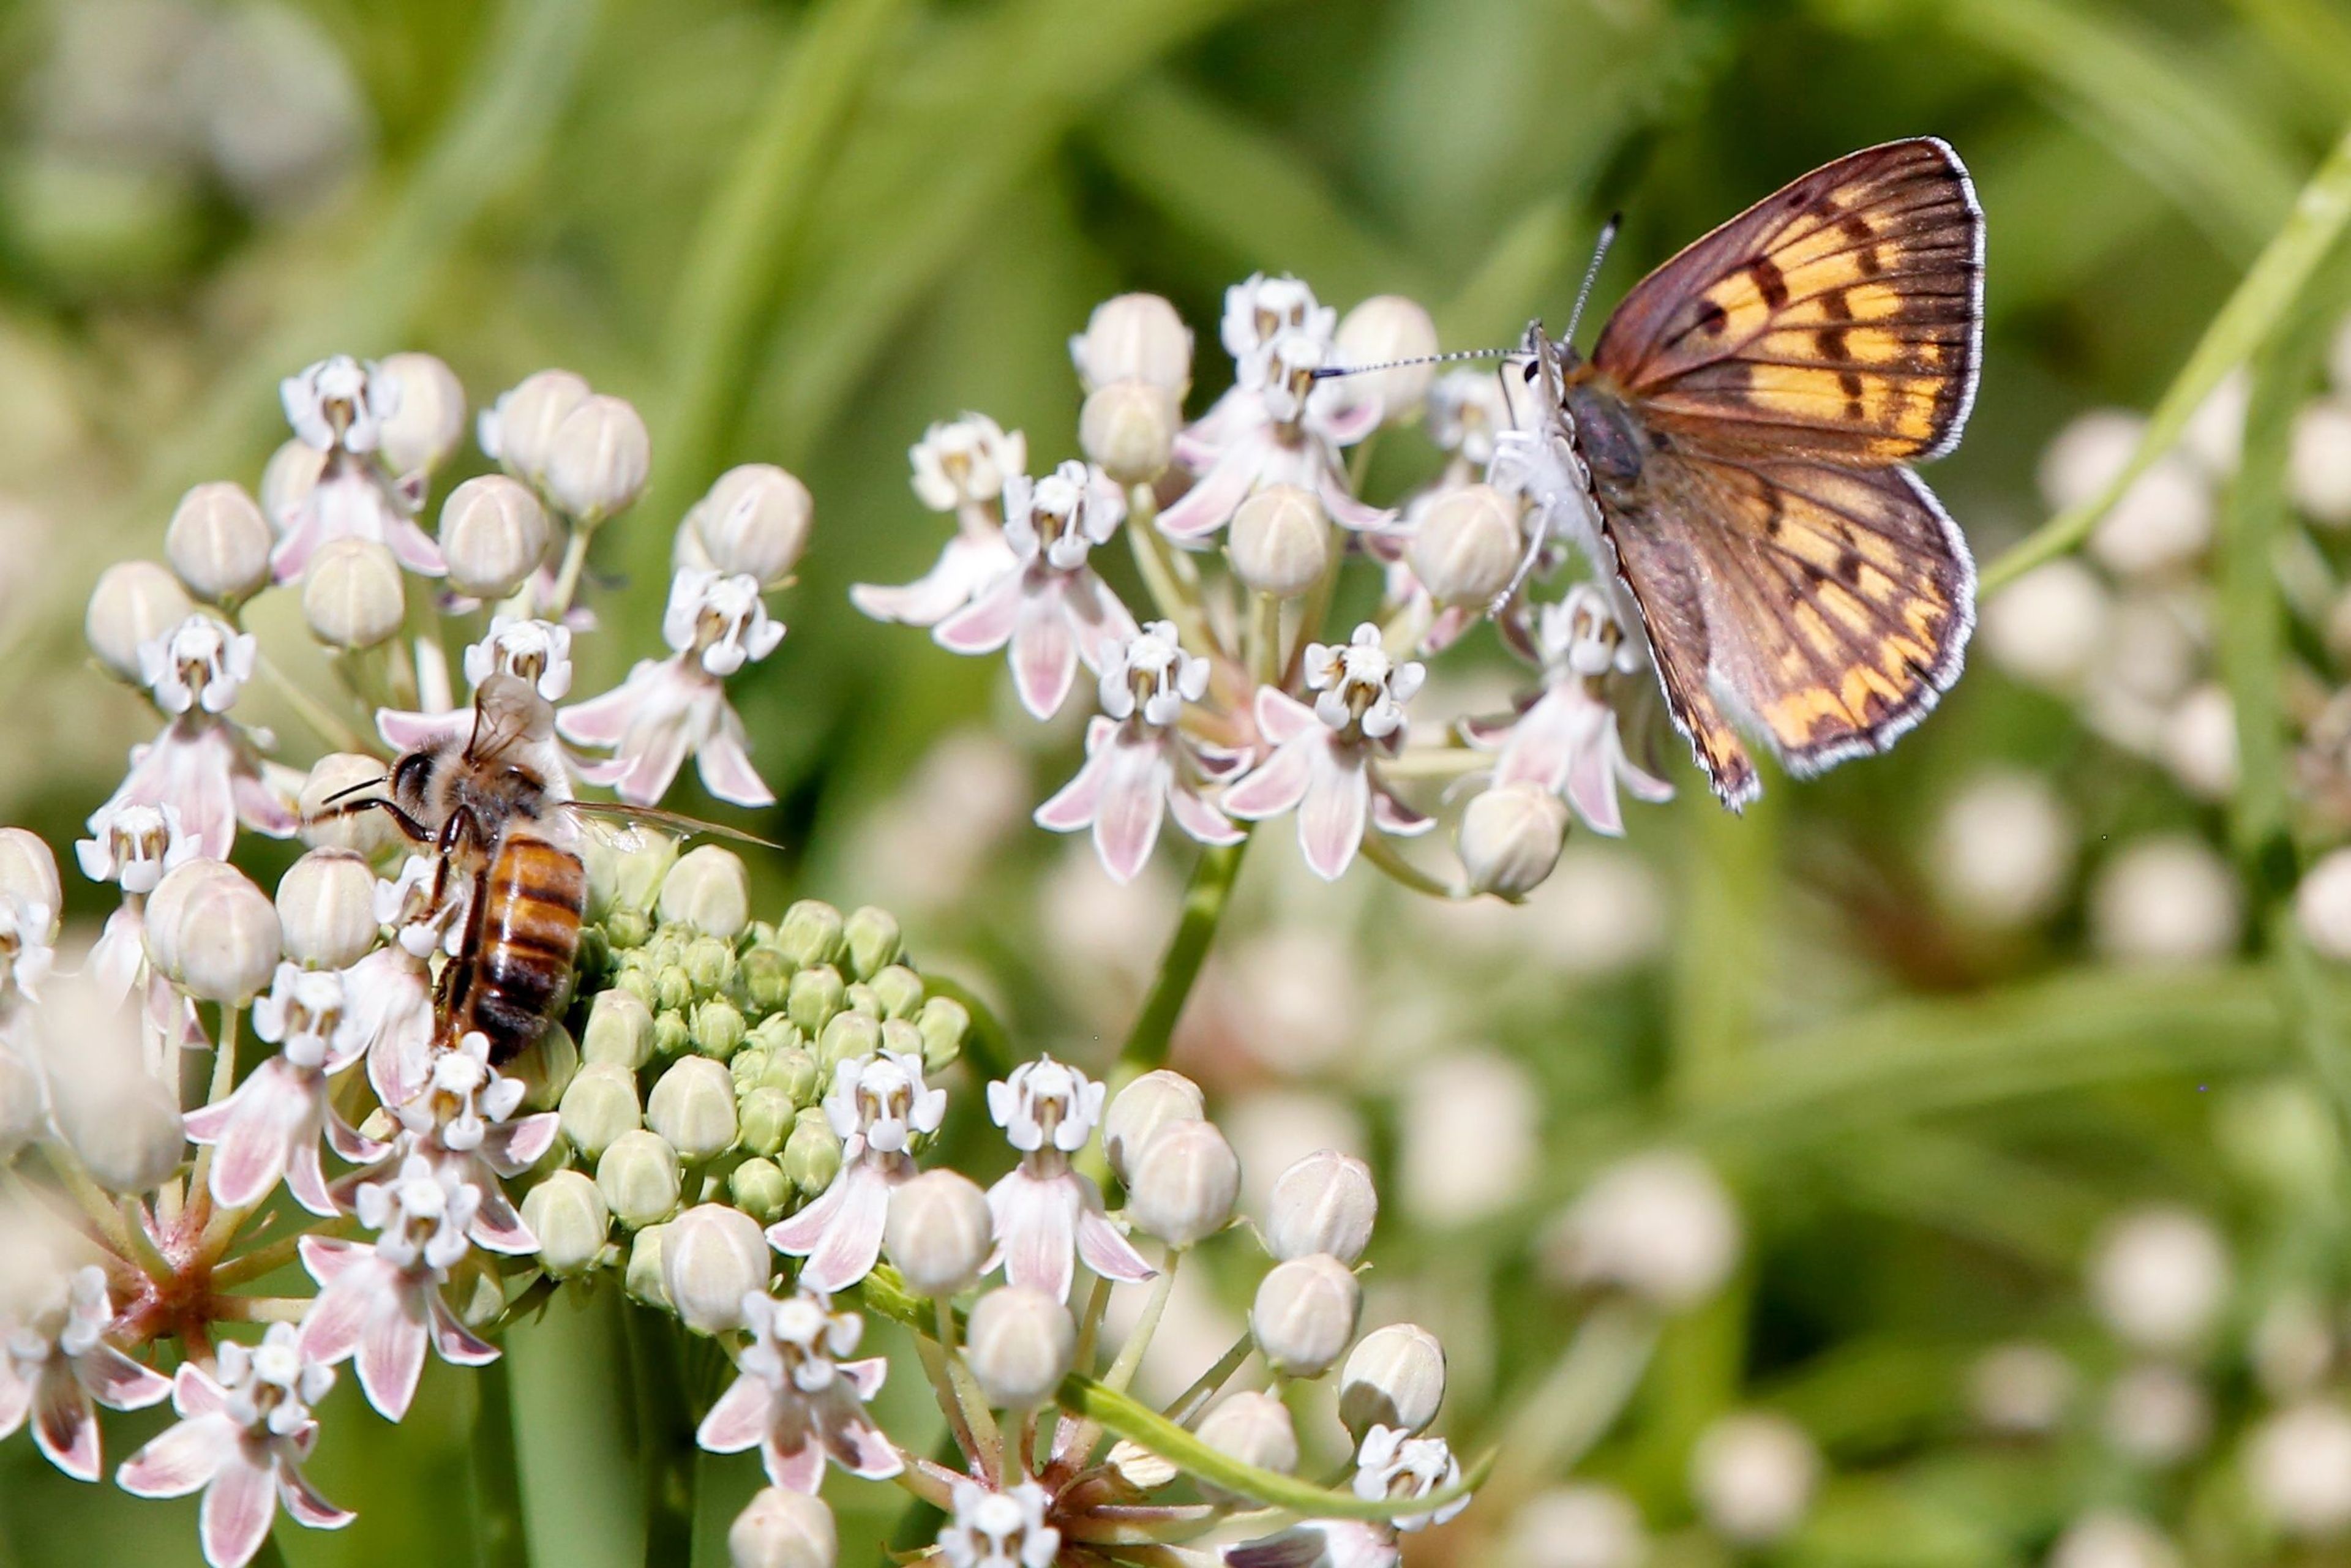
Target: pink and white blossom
(1260,310)
(270,1127)
(1278,425)
(338,406)
(200,662)
(1140,765)
(1045,1214)
(133,845)
(241,1439)
(54,1365)
(381,1303)
(463,1123)
(796,1400)
(961,468)
(203,766)
(538,653)
(388,1008)
(1050,608)
(992,1528)
(1390,1464)
(668,709)
(1321,762)
(877,1105)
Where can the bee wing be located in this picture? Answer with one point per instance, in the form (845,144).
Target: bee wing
(628,828)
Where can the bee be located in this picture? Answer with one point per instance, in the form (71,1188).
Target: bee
(493,803)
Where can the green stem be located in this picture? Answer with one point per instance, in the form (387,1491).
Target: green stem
(1436,762)
(223,1080)
(987,1442)
(1187,1405)
(1155,559)
(933,1356)
(665,1432)
(567,576)
(1263,639)
(1385,858)
(1203,907)
(1155,1306)
(499,1538)
(1573,1407)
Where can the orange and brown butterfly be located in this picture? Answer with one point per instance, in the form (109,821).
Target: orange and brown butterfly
(1745,427)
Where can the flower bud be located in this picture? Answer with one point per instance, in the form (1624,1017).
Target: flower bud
(943,1024)
(325,909)
(2159,1278)
(900,991)
(1253,1428)
(812,1154)
(429,419)
(783,1529)
(1658,1225)
(1752,1475)
(816,995)
(874,941)
(692,1108)
(766,1120)
(1135,337)
(1394,1377)
(792,1070)
(812,933)
(599,460)
(2298,1467)
(939,1232)
(1304,1314)
(567,1214)
(1020,1345)
(1384,328)
(122,1124)
(1139,1111)
(135,601)
(370,833)
(494,533)
(214,933)
(218,543)
(1184,1185)
(519,429)
(709,965)
(716,1029)
(600,1106)
(1280,541)
(29,874)
(1324,1203)
(708,889)
(2322,905)
(351,595)
(754,522)
(292,472)
(643,1276)
(1467,546)
(760,1189)
(1582,1524)
(848,1036)
(630,878)
(1128,428)
(671,1035)
(712,1256)
(638,1175)
(620,1031)
(546,1067)
(1511,839)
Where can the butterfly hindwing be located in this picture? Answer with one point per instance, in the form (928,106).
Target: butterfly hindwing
(1839,316)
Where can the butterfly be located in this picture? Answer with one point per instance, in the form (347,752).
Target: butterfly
(1743,432)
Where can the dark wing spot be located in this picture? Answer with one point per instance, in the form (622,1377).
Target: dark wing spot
(1834,306)
(1712,318)
(1849,383)
(1769,281)
(1830,340)
(1848,566)
(1857,228)
(1866,259)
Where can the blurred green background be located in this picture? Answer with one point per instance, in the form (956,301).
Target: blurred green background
(800,233)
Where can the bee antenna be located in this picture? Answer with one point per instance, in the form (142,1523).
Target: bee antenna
(1592,273)
(1326,372)
(345,794)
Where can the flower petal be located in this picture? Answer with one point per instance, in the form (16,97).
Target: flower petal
(1133,800)
(1036,1229)
(739,1419)
(851,1243)
(391,1350)
(65,1427)
(1108,1253)
(303,1501)
(1331,818)
(119,1382)
(1277,784)
(986,624)
(184,1456)
(1045,652)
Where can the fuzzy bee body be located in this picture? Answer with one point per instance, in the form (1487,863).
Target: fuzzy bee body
(522,941)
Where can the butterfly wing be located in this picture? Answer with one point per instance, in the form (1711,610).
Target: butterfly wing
(1839,316)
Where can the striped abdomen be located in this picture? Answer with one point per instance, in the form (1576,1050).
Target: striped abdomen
(528,918)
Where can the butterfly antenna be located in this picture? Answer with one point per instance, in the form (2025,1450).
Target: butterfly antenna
(1324,373)
(1592,273)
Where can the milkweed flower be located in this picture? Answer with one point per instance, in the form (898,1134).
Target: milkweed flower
(54,1363)
(877,1104)
(1006,1529)
(1278,425)
(1391,1463)
(797,1400)
(538,653)
(961,467)
(203,765)
(1046,1214)
(463,1123)
(337,407)
(269,1127)
(667,709)
(388,1008)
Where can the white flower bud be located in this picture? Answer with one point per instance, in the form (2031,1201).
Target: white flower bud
(2298,1467)
(1481,1100)
(1511,839)
(2050,625)
(1129,429)
(429,419)
(2158,1415)
(518,430)
(1582,1524)
(293,471)
(692,1107)
(29,876)
(2322,905)
(939,1232)
(494,533)
(218,542)
(166,899)
(2199,743)
(783,1529)
(2110,1538)
(1658,1225)
(2004,849)
(641,1276)
(1183,1188)
(1384,328)
(1324,1203)
(2164,520)
(2215,434)
(599,459)
(2021,1389)
(1253,1428)
(119,1120)
(640,1179)
(1135,337)
(135,602)
(1752,1475)
(1394,1377)
(712,1256)
(620,1031)
(1304,1314)
(600,1105)
(1280,541)
(709,890)
(1020,1345)
(567,1214)
(370,833)
(2159,1278)
(754,522)
(2168,899)
(2085,456)
(1140,1110)
(1467,545)
(351,595)
(214,934)
(325,909)
(2318,469)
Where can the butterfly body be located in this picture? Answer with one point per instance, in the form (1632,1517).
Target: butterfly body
(1744,428)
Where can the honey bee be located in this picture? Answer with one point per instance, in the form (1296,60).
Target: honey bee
(494,803)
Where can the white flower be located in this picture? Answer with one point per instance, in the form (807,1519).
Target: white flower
(1278,425)
(960,467)
(966,462)
(2159,1278)
(1258,310)
(464,1121)
(199,663)
(270,1127)
(1658,1225)
(2298,1461)
(337,407)
(388,1008)
(1046,1214)
(797,1400)
(340,403)
(1753,1475)
(1390,1464)
(719,621)
(55,1361)
(877,1104)
(538,652)
(203,766)
(134,845)
(1467,411)
(994,1529)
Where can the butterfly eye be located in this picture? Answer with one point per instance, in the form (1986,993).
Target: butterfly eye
(1527,371)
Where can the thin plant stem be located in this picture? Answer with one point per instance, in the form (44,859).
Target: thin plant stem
(1155,1306)
(1195,929)
(323,721)
(223,1080)
(1317,607)
(1155,559)
(1383,855)
(499,1540)
(1187,1405)
(567,575)
(664,1439)
(1263,640)
(934,1357)
(1434,762)
(94,1205)
(268,1259)
(988,1441)
(1576,1403)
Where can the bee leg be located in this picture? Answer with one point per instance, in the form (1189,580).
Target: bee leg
(410,827)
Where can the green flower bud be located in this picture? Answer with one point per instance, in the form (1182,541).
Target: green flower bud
(766,1120)
(848,1036)
(874,941)
(626,929)
(626,878)
(709,964)
(759,933)
(595,952)
(708,889)
(643,1278)
(569,1217)
(794,1070)
(902,1036)
(692,1108)
(859,998)
(546,1067)
(620,1029)
(765,976)
(717,1028)
(760,1189)
(747,1064)
(712,1256)
(816,995)
(600,1106)
(899,990)
(777,1032)
(638,1177)
(671,1035)
(811,935)
(638,981)
(812,1154)
(944,1021)
(673,988)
